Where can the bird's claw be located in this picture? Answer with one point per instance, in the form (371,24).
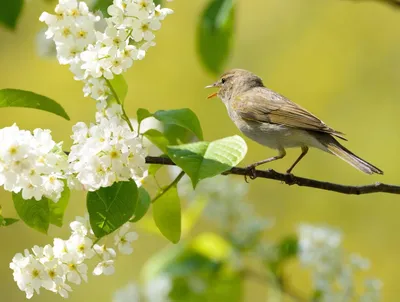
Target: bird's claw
(250,172)
(289,178)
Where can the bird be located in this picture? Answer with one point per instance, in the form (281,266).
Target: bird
(274,121)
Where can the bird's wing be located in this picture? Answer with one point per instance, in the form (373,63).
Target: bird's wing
(263,105)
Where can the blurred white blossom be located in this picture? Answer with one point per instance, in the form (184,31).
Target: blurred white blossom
(155,290)
(45,47)
(158,289)
(334,272)
(226,206)
(129,293)
(31,163)
(320,249)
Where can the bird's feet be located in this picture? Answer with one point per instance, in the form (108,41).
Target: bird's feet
(289,178)
(250,172)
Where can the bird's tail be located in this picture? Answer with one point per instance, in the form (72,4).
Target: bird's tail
(337,149)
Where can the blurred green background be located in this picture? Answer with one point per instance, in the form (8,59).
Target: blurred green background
(339,59)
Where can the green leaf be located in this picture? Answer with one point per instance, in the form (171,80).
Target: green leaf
(58,208)
(317,296)
(288,247)
(215,34)
(167,214)
(184,118)
(28,99)
(285,249)
(102,5)
(119,87)
(6,221)
(109,208)
(191,263)
(212,246)
(35,213)
(157,138)
(192,214)
(203,160)
(142,206)
(142,114)
(10,10)
(157,263)
(158,2)
(9,221)
(177,135)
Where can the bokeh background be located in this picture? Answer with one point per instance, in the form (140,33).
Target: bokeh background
(339,59)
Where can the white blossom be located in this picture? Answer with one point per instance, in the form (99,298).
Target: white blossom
(81,226)
(106,152)
(105,252)
(81,245)
(28,273)
(104,267)
(96,52)
(55,267)
(123,239)
(59,248)
(31,163)
(75,267)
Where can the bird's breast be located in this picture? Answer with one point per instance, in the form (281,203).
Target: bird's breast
(276,136)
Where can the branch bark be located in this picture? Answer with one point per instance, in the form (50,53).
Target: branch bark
(291,179)
(394,3)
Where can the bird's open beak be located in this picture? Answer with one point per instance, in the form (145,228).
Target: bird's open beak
(213,94)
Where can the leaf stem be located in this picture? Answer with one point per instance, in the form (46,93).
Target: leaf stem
(165,189)
(124,115)
(96,241)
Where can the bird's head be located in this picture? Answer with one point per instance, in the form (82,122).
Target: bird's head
(234,82)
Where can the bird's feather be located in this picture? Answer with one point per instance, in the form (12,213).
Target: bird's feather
(262,105)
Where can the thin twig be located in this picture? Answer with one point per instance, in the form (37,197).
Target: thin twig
(173,183)
(124,115)
(291,179)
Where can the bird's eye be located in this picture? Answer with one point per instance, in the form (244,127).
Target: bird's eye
(223,80)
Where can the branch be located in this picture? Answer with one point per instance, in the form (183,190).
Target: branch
(394,3)
(291,179)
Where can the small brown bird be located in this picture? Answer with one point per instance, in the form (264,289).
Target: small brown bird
(274,121)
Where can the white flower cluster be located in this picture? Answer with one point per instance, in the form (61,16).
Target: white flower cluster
(106,152)
(96,55)
(155,290)
(321,251)
(53,267)
(31,163)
